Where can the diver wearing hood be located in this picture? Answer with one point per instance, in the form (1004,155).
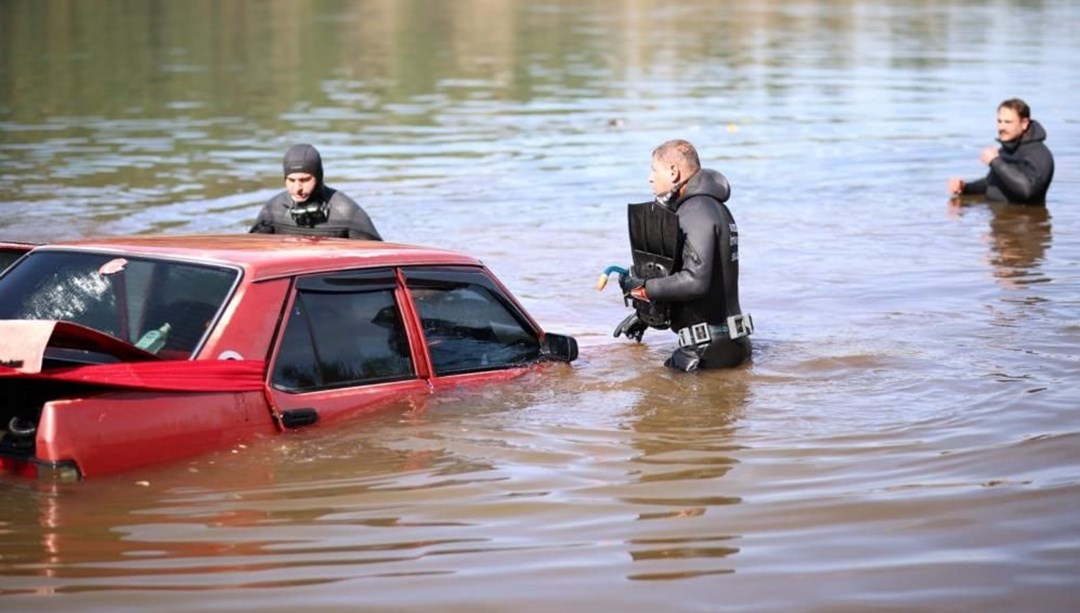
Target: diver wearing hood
(700,252)
(310,207)
(1022,168)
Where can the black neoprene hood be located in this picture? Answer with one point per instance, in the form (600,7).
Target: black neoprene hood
(303,158)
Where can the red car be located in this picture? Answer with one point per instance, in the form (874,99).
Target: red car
(123,352)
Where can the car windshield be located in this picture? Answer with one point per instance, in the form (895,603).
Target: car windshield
(163,306)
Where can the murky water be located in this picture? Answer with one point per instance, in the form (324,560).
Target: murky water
(906,438)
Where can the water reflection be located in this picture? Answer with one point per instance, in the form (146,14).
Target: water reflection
(37,550)
(684,448)
(349,499)
(1018,239)
(96,539)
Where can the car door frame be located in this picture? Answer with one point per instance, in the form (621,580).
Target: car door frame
(332,404)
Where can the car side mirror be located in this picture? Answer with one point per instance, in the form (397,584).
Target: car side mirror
(559,347)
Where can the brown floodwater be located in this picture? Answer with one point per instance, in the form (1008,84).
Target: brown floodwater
(906,438)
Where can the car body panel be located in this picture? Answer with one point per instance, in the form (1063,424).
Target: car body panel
(250,324)
(115,431)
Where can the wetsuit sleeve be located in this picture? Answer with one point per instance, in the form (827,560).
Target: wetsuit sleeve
(978,186)
(360,226)
(698,256)
(358,223)
(263,223)
(1018,177)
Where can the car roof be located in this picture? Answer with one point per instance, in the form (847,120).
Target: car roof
(267,256)
(5,244)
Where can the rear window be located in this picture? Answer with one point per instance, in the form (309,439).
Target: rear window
(164,306)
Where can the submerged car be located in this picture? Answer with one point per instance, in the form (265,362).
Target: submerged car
(123,352)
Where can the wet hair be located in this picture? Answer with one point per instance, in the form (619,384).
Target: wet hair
(679,152)
(1022,109)
(303,158)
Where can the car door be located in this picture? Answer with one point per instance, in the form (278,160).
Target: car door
(344,348)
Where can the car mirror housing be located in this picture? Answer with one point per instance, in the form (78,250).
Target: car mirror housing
(559,347)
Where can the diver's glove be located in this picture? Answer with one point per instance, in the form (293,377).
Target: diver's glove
(632,287)
(632,327)
(629,283)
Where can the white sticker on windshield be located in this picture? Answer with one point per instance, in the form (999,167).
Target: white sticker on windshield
(112,267)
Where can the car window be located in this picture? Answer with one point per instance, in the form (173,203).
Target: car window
(342,338)
(163,306)
(7,257)
(468,323)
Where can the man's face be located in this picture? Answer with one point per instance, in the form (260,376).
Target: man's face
(1009,124)
(662,177)
(300,185)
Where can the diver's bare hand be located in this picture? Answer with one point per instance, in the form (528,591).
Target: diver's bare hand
(956,186)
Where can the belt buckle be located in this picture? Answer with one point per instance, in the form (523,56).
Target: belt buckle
(740,325)
(684,337)
(694,335)
(700,333)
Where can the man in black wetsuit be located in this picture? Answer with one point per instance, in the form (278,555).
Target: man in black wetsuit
(310,207)
(1022,168)
(701,287)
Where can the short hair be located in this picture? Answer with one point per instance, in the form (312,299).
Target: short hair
(680,152)
(1022,109)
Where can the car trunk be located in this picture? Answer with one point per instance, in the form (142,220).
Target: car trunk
(74,397)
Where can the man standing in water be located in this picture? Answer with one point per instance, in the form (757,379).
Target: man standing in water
(1022,168)
(310,207)
(686,263)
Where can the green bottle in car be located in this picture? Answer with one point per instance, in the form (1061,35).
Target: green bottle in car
(154,340)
